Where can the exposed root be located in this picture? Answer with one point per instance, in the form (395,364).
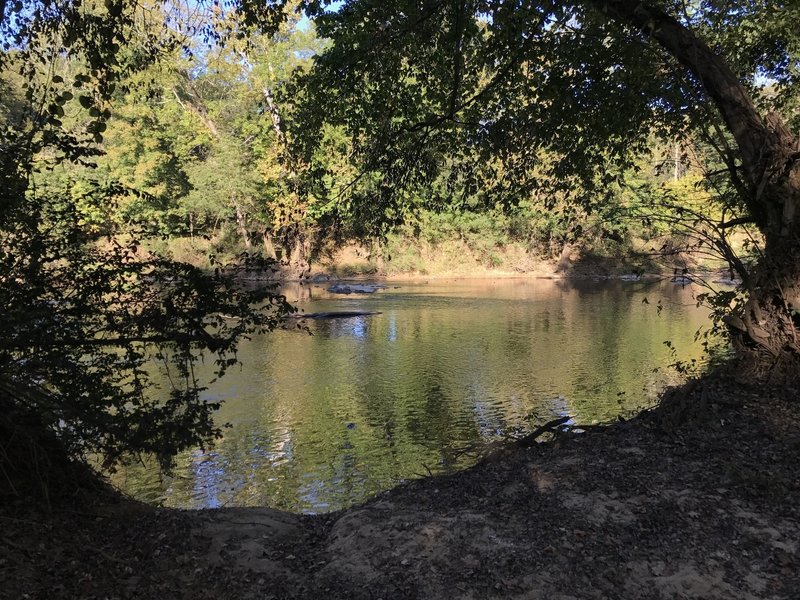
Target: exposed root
(754,365)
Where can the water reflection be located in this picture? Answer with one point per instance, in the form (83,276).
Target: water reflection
(323,421)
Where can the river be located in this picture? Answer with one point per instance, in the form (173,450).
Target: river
(326,417)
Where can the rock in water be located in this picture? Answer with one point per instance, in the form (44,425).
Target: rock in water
(355,288)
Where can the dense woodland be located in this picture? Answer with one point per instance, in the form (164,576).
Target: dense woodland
(205,145)
(152,151)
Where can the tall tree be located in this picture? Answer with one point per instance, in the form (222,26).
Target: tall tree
(87,315)
(587,82)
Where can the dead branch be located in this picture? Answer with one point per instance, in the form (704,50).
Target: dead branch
(549,427)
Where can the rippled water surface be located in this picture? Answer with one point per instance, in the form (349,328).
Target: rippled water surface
(326,420)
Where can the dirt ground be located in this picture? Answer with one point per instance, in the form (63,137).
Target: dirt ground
(697,499)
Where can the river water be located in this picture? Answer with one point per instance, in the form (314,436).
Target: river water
(323,421)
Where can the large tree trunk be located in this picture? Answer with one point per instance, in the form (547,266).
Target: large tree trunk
(765,326)
(297,261)
(297,232)
(772,314)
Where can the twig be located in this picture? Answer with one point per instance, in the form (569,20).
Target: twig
(530,439)
(26,521)
(459,452)
(92,548)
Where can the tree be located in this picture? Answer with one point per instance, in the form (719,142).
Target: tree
(87,314)
(588,82)
(268,61)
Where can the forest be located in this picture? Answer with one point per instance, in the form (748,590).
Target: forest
(204,144)
(158,158)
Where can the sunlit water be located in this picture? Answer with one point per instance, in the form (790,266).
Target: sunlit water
(323,421)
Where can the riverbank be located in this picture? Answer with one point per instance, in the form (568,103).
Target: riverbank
(454,258)
(696,499)
(404,257)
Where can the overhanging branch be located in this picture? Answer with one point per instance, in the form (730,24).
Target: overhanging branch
(756,143)
(735,222)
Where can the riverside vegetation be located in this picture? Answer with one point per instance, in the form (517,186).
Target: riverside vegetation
(154,152)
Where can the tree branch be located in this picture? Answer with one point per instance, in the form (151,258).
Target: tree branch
(757,144)
(735,222)
(192,98)
(178,338)
(530,439)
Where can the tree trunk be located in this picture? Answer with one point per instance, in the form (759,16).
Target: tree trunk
(269,246)
(188,97)
(298,234)
(241,224)
(754,139)
(765,326)
(376,254)
(298,263)
(564,258)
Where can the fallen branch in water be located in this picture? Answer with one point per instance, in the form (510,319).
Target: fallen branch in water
(549,427)
(479,450)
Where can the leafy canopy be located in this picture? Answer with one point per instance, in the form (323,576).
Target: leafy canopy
(525,95)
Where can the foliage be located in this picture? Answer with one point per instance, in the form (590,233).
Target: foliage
(88,319)
(512,99)
(88,316)
(518,99)
(480,120)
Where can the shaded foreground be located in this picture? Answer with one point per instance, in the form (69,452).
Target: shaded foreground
(697,499)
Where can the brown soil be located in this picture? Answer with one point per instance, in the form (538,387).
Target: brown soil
(697,499)
(455,258)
